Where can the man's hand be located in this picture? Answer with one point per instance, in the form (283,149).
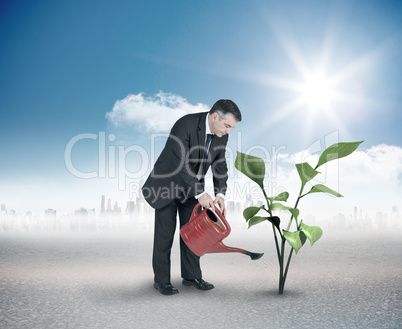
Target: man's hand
(206,201)
(221,202)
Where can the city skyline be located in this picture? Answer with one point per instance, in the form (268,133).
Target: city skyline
(139,216)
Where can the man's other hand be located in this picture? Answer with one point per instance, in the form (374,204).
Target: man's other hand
(206,201)
(221,202)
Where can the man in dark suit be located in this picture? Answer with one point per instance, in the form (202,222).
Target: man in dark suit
(176,184)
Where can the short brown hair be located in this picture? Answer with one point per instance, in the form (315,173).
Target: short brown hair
(226,106)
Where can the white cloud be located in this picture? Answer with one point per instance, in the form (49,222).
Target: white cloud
(156,113)
(376,171)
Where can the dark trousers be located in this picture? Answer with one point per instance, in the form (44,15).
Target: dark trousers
(165,226)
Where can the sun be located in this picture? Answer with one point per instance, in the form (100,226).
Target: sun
(317,92)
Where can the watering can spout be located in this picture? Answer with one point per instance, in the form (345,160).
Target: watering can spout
(254,255)
(205,231)
(221,247)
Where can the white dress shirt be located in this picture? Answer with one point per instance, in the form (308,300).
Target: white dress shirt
(208,131)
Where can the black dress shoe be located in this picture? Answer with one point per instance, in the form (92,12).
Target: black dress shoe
(200,284)
(165,288)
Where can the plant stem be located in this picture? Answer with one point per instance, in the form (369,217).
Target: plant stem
(266,198)
(277,245)
(280,256)
(281,276)
(273,228)
(289,258)
(291,217)
(287,265)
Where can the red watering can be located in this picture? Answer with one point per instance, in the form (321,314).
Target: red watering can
(205,231)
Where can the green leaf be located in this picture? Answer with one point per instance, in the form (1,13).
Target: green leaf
(295,212)
(276,221)
(251,166)
(280,197)
(313,233)
(295,239)
(256,220)
(322,188)
(337,151)
(278,206)
(306,172)
(251,211)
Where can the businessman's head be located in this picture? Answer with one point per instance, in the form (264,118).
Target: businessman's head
(223,117)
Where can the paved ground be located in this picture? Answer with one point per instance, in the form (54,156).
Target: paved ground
(104,280)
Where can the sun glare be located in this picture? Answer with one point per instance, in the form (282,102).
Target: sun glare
(318,95)
(317,92)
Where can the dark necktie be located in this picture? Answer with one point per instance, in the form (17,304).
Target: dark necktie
(204,162)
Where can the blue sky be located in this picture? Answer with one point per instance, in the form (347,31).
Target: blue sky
(64,65)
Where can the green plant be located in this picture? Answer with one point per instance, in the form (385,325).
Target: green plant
(254,168)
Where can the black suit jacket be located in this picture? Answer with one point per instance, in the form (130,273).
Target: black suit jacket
(174,173)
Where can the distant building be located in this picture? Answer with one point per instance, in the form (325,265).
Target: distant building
(381,220)
(116,209)
(83,220)
(310,219)
(27,222)
(109,206)
(102,205)
(50,222)
(130,212)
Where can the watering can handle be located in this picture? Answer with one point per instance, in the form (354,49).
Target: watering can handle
(223,219)
(217,211)
(194,214)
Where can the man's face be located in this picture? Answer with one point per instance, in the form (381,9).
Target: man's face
(222,124)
